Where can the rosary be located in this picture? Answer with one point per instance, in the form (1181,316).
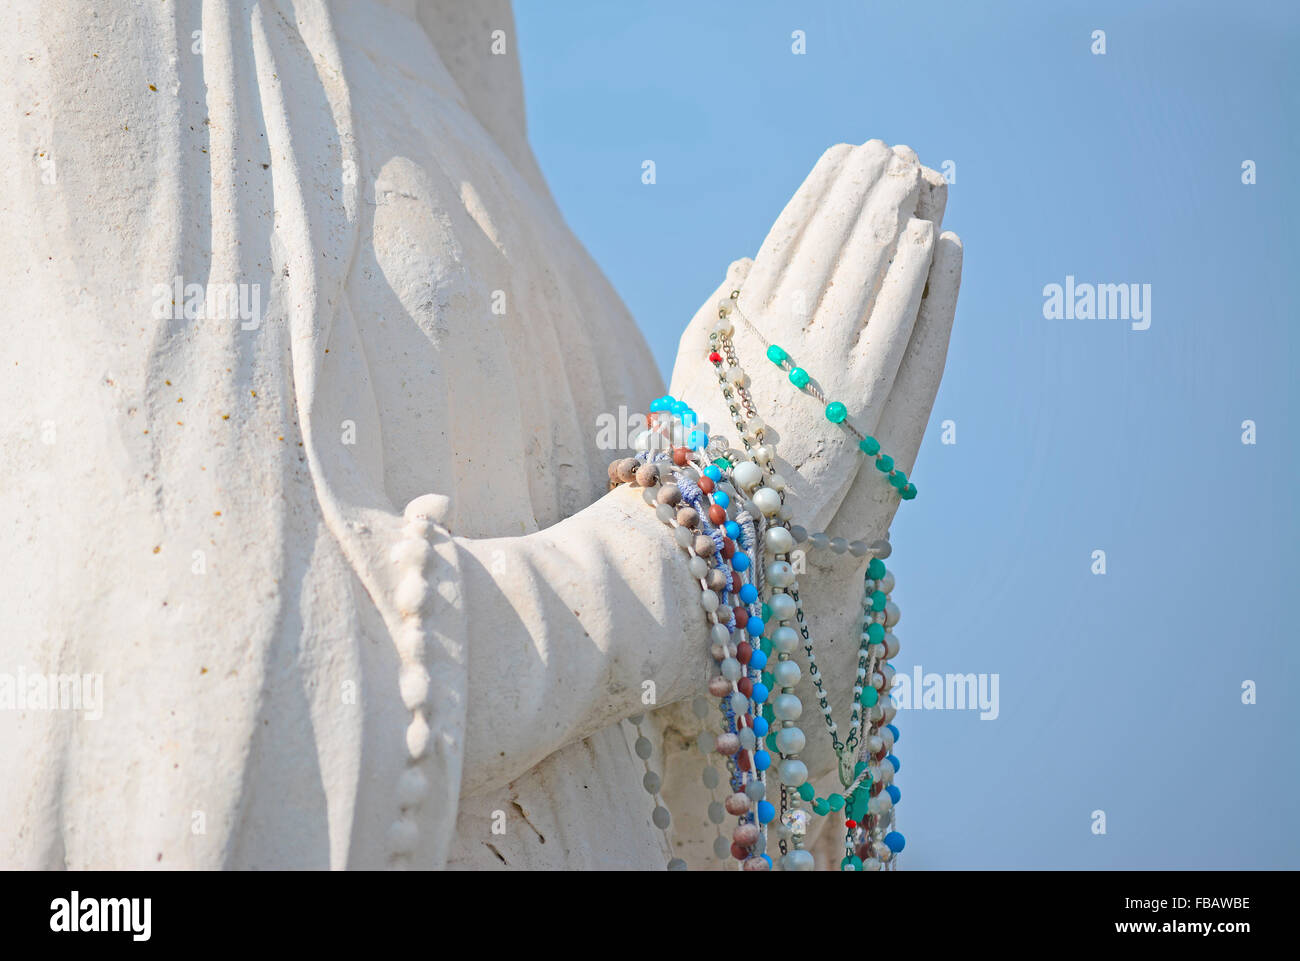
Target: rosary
(728,512)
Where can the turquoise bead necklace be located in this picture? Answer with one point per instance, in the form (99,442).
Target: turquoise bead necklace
(836,412)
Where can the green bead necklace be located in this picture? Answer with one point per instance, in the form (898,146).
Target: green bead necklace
(835,411)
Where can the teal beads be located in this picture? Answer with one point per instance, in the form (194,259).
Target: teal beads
(836,801)
(869,697)
(838,413)
(851,863)
(821,806)
(806,791)
(875,633)
(876,569)
(878,600)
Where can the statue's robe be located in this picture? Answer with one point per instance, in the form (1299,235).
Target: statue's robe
(199,508)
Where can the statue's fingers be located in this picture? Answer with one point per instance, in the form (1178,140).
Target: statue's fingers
(738,274)
(907,411)
(847,246)
(933,199)
(877,352)
(866,377)
(870,503)
(787,233)
(869,255)
(829,231)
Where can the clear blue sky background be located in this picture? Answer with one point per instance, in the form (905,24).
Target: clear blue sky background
(1119,692)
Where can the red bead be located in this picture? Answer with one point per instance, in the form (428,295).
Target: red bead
(742,760)
(706,483)
(715,357)
(736,583)
(728,548)
(745,686)
(744,650)
(742,617)
(738,852)
(679,456)
(850,823)
(736,805)
(746,834)
(717,516)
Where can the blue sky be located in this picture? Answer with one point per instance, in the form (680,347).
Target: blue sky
(1119,692)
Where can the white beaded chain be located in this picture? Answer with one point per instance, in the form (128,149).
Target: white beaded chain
(652,782)
(429,613)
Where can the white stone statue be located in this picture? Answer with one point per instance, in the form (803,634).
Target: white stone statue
(274,271)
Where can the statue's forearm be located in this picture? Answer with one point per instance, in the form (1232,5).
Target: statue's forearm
(569,624)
